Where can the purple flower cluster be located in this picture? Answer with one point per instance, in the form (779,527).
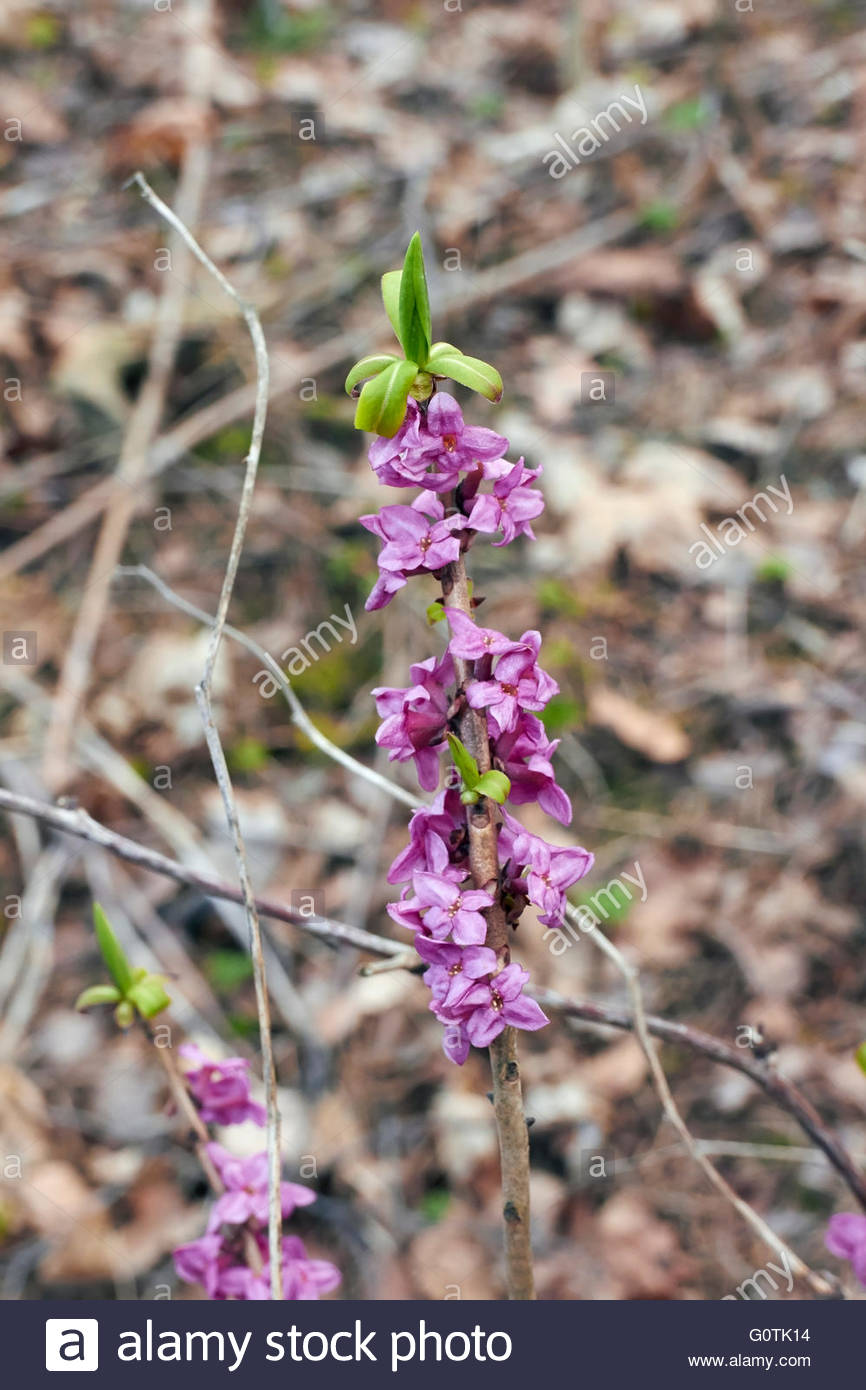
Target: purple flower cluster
(476,991)
(431,450)
(221,1090)
(218,1259)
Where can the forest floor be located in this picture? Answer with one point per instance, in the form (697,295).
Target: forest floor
(678,309)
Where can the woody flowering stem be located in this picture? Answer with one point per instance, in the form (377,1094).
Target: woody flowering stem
(511,1129)
(470,867)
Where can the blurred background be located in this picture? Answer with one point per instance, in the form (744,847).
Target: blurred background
(650,216)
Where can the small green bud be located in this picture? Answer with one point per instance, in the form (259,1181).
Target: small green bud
(124,1014)
(422,387)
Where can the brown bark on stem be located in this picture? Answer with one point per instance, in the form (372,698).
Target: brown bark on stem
(484,864)
(201,1135)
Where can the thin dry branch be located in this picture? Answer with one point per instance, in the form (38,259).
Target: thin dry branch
(817,1283)
(758,1069)
(215,748)
(395,955)
(76,821)
(297,712)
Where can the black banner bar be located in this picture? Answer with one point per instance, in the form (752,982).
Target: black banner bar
(420,1345)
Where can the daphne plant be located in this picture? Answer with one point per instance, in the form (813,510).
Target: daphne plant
(480,700)
(230,1261)
(388,380)
(470,867)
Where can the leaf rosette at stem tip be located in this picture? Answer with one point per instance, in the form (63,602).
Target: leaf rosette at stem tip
(383,382)
(135,990)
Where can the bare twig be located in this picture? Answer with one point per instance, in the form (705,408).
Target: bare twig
(76,821)
(28,954)
(203,699)
(511,1125)
(144,422)
(395,955)
(816,1282)
(757,1069)
(299,715)
(99,756)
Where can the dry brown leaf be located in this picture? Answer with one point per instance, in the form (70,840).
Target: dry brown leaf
(655,735)
(641,1252)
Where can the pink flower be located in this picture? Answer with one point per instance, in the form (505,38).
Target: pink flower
(304,1278)
(511,505)
(434,832)
(454,445)
(413,542)
(414,720)
(402,461)
(450,968)
(246,1195)
(470,641)
(448,909)
(455,1042)
(517,684)
(549,873)
(524,753)
(221,1090)
(488,1006)
(202,1261)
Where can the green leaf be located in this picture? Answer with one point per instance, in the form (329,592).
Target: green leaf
(860,1056)
(469,371)
(442,350)
(464,762)
(495,785)
(149,996)
(97,994)
(112,952)
(414,305)
(435,611)
(368,366)
(382,404)
(391,297)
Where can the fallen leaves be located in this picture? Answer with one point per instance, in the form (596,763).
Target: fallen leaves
(655,735)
